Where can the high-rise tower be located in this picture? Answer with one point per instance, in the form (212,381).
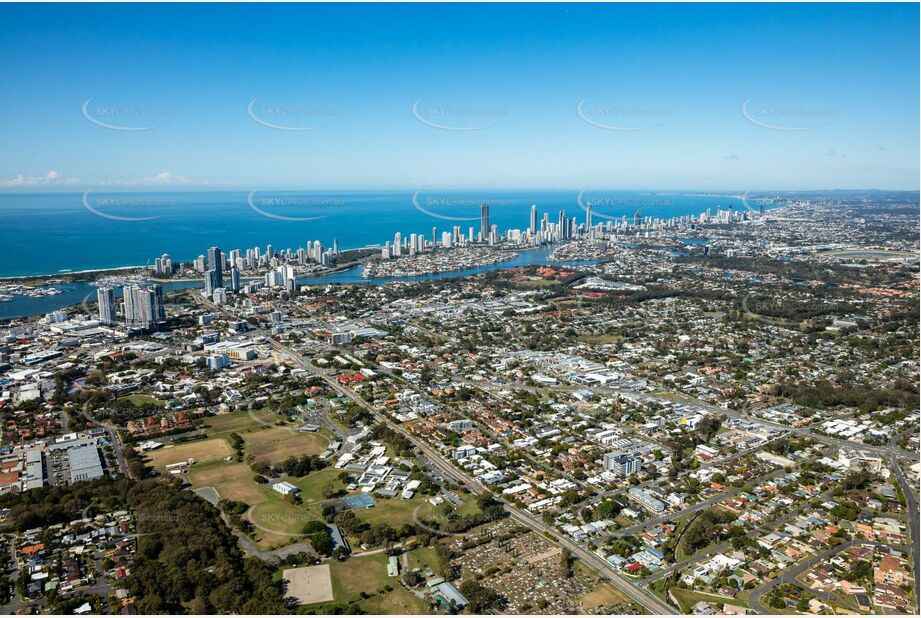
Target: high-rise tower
(106,298)
(216,263)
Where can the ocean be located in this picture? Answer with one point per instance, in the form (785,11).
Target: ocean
(46,234)
(49,234)
(80,292)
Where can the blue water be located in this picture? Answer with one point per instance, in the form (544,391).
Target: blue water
(694,241)
(82,292)
(55,233)
(45,234)
(524,258)
(71,294)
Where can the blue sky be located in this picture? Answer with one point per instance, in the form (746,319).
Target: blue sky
(669,97)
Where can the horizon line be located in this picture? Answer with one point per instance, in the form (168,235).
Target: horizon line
(193,189)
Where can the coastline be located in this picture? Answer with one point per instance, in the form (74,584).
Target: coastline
(77,275)
(694,204)
(83,275)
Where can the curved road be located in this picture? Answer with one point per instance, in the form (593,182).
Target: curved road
(601,566)
(789,577)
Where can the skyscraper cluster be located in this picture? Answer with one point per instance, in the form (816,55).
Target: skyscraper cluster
(143,306)
(542,230)
(223,271)
(254,258)
(163,265)
(281,277)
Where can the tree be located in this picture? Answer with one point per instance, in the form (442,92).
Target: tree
(479,597)
(566,563)
(708,527)
(178,529)
(301,466)
(607,509)
(319,536)
(777,601)
(349,522)
(331,491)
(862,571)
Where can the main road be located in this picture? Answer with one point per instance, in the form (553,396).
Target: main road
(601,566)
(911,503)
(113,436)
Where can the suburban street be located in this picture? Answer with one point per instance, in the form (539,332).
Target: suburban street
(911,504)
(598,564)
(113,437)
(633,589)
(790,575)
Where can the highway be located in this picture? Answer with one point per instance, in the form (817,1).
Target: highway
(632,589)
(598,564)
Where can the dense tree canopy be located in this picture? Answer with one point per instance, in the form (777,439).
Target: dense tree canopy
(187,560)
